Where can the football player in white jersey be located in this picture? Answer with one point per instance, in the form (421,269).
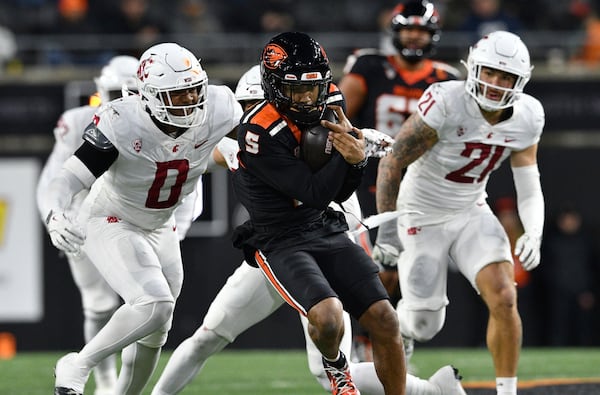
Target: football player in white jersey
(247,298)
(461,133)
(98,299)
(147,152)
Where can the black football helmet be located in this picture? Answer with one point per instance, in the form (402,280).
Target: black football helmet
(295,62)
(415,13)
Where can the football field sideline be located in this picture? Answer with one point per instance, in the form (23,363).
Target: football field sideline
(545,371)
(554,386)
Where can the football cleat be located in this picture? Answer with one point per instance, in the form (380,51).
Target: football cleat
(447,380)
(66,391)
(70,379)
(340,379)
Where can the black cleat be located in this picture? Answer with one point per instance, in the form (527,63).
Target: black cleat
(65,391)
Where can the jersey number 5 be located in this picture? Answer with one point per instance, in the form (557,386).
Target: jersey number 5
(179,167)
(251,140)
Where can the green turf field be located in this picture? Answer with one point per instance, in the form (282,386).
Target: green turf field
(286,372)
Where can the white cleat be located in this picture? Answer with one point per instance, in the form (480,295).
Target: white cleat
(448,381)
(69,377)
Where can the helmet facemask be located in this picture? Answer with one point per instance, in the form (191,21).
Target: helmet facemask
(191,114)
(302,113)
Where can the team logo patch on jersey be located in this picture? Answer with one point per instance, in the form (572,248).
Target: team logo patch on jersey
(460,131)
(137,145)
(413,230)
(175,148)
(273,55)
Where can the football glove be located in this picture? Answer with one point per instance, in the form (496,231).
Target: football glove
(377,144)
(65,235)
(527,249)
(388,246)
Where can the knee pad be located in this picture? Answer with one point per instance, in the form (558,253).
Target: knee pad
(162,314)
(421,325)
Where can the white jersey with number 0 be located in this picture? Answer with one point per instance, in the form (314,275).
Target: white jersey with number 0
(451,177)
(154,171)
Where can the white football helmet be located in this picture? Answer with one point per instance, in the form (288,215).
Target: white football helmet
(165,68)
(503,51)
(117,78)
(249,87)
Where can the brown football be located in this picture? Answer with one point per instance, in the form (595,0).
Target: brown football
(315,148)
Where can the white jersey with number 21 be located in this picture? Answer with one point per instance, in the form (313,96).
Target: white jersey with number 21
(451,177)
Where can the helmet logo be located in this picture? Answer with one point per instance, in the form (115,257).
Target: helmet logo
(142,74)
(273,55)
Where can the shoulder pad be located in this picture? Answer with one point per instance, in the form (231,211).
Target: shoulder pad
(453,71)
(94,136)
(353,57)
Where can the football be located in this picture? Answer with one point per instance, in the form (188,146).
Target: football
(315,148)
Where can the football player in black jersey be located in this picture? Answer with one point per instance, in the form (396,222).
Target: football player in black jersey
(292,236)
(381,89)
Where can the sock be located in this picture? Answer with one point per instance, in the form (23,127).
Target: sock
(105,373)
(187,361)
(506,385)
(138,365)
(339,362)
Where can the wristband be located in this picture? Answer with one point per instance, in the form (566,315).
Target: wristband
(361,164)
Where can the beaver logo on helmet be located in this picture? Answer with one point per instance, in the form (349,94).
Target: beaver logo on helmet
(273,55)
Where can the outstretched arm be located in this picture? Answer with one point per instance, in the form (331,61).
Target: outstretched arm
(413,140)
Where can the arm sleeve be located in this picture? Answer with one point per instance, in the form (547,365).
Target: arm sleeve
(228,148)
(351,183)
(72,178)
(530,199)
(51,168)
(95,159)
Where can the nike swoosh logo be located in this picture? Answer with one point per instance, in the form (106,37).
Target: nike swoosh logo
(196,146)
(508,140)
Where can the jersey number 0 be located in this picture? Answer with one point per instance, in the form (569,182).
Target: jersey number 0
(181,167)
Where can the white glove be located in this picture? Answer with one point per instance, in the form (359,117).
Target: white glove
(387,245)
(65,235)
(377,144)
(527,249)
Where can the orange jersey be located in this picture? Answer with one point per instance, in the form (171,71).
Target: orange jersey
(392,92)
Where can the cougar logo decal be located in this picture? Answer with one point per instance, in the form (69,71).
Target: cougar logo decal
(142,73)
(273,55)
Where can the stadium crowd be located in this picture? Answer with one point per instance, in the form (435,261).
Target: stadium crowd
(57,32)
